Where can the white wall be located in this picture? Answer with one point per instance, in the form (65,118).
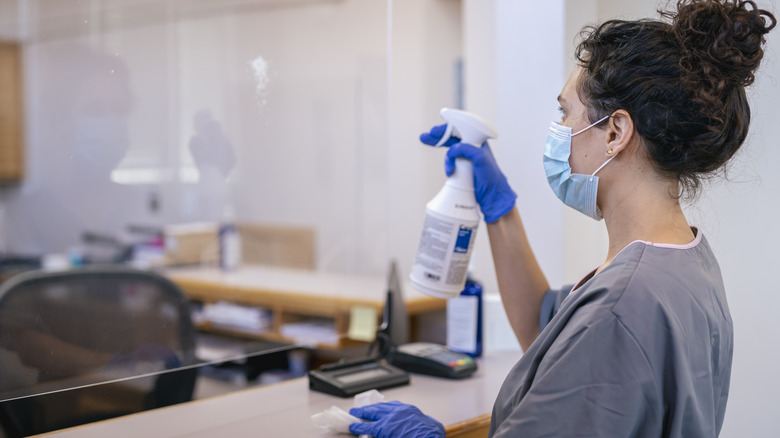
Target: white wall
(513,72)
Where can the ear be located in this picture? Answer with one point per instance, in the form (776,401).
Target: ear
(619,132)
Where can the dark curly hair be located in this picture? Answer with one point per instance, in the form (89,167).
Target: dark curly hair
(682,81)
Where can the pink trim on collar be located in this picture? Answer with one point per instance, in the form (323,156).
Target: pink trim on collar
(689,245)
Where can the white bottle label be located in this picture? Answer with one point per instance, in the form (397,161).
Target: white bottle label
(462,323)
(444,252)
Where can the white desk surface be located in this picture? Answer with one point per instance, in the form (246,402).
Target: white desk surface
(285,409)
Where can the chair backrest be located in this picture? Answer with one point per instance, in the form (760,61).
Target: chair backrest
(81,327)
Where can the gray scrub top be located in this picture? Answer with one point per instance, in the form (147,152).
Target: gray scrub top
(641,349)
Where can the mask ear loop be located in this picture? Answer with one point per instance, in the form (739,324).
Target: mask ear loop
(602,166)
(588,127)
(591,125)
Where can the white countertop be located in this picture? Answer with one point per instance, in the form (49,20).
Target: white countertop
(285,409)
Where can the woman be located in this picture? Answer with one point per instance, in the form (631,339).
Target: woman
(642,345)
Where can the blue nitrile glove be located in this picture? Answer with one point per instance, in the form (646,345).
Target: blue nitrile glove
(394,420)
(491,188)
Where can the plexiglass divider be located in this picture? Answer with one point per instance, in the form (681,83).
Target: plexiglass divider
(143,118)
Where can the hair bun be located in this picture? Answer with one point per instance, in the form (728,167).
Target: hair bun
(721,38)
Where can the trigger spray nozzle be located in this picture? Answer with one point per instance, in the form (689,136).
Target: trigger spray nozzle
(470,128)
(446,136)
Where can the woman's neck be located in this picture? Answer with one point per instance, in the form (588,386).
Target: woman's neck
(645,212)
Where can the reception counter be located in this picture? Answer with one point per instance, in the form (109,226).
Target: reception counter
(284,409)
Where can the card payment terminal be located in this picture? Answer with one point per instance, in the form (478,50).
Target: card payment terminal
(432,359)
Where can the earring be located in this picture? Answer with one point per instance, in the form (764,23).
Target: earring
(609,151)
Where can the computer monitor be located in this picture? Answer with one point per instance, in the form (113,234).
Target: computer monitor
(394,330)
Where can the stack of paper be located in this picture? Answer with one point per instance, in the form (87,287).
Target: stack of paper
(311,331)
(237,316)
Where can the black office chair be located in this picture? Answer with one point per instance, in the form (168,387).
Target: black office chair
(85,327)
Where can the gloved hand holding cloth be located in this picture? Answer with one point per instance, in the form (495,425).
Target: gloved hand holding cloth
(394,420)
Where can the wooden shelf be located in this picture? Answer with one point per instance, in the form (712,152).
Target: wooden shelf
(274,334)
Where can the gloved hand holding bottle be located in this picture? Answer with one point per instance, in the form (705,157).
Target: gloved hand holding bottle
(394,420)
(491,188)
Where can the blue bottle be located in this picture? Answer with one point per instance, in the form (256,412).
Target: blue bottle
(464,320)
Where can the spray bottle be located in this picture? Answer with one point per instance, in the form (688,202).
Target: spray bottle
(229,241)
(451,217)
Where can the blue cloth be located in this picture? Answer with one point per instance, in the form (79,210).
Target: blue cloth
(395,420)
(641,349)
(494,196)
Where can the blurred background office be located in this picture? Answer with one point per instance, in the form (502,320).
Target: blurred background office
(139,115)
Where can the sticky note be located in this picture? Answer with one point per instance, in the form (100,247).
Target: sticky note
(362,323)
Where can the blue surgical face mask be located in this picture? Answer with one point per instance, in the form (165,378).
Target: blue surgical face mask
(575,190)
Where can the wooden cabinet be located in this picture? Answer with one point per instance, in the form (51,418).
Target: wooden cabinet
(11,113)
